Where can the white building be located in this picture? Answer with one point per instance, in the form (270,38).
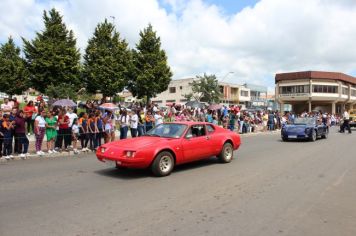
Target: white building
(232,93)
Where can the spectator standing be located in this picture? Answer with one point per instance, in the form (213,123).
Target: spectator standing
(158,118)
(40,129)
(93,130)
(149,121)
(140,125)
(1,134)
(7,128)
(72,115)
(133,124)
(83,131)
(6,107)
(20,134)
(30,113)
(124,121)
(232,119)
(75,135)
(64,132)
(51,131)
(100,126)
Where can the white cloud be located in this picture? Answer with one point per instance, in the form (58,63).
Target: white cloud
(273,36)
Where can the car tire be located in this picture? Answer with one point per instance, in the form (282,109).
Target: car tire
(226,154)
(163,164)
(284,139)
(313,136)
(325,136)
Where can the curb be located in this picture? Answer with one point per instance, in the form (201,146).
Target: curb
(46,156)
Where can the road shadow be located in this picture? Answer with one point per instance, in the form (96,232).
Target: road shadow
(127,173)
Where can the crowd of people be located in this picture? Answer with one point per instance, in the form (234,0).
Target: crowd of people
(66,128)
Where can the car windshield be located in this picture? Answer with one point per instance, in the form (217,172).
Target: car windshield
(304,121)
(167,130)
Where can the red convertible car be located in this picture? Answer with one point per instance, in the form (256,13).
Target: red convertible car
(171,144)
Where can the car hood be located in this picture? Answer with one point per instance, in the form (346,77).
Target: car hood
(138,143)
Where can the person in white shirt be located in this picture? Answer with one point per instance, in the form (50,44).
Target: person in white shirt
(124,121)
(158,118)
(6,107)
(346,124)
(71,116)
(40,129)
(133,124)
(75,135)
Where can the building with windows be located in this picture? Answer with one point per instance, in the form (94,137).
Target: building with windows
(258,95)
(232,93)
(316,90)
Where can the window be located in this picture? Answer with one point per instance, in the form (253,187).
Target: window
(244,93)
(172,89)
(294,89)
(196,131)
(345,91)
(324,89)
(210,129)
(353,93)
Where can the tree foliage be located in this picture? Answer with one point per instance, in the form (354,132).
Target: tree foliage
(107,61)
(13,74)
(151,73)
(205,89)
(61,91)
(52,57)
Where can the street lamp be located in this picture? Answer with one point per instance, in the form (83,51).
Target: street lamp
(225,76)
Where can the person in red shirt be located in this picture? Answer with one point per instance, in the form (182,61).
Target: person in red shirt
(64,131)
(30,114)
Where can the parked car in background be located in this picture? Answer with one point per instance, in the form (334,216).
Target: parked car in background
(171,144)
(304,128)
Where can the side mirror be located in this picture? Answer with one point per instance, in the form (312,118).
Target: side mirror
(189,136)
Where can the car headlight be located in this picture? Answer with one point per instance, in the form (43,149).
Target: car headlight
(102,149)
(130,154)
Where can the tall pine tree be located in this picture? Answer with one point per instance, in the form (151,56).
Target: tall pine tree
(52,57)
(13,74)
(151,74)
(107,61)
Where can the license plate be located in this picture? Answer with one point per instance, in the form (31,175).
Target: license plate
(110,163)
(292,136)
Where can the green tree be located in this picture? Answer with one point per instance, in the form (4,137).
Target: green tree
(52,57)
(13,74)
(107,61)
(61,91)
(205,89)
(151,73)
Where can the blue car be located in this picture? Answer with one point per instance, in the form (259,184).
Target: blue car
(304,128)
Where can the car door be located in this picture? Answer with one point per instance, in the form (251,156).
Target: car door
(196,143)
(214,139)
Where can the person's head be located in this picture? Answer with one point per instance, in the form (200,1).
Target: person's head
(6,100)
(30,103)
(14,99)
(20,113)
(75,121)
(5,117)
(14,111)
(43,113)
(70,110)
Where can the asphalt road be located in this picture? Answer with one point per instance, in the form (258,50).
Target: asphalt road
(270,188)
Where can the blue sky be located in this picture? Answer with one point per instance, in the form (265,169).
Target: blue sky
(232,6)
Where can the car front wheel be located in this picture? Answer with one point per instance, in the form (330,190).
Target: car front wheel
(163,164)
(226,153)
(313,136)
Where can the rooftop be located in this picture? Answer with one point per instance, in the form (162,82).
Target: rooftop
(315,75)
